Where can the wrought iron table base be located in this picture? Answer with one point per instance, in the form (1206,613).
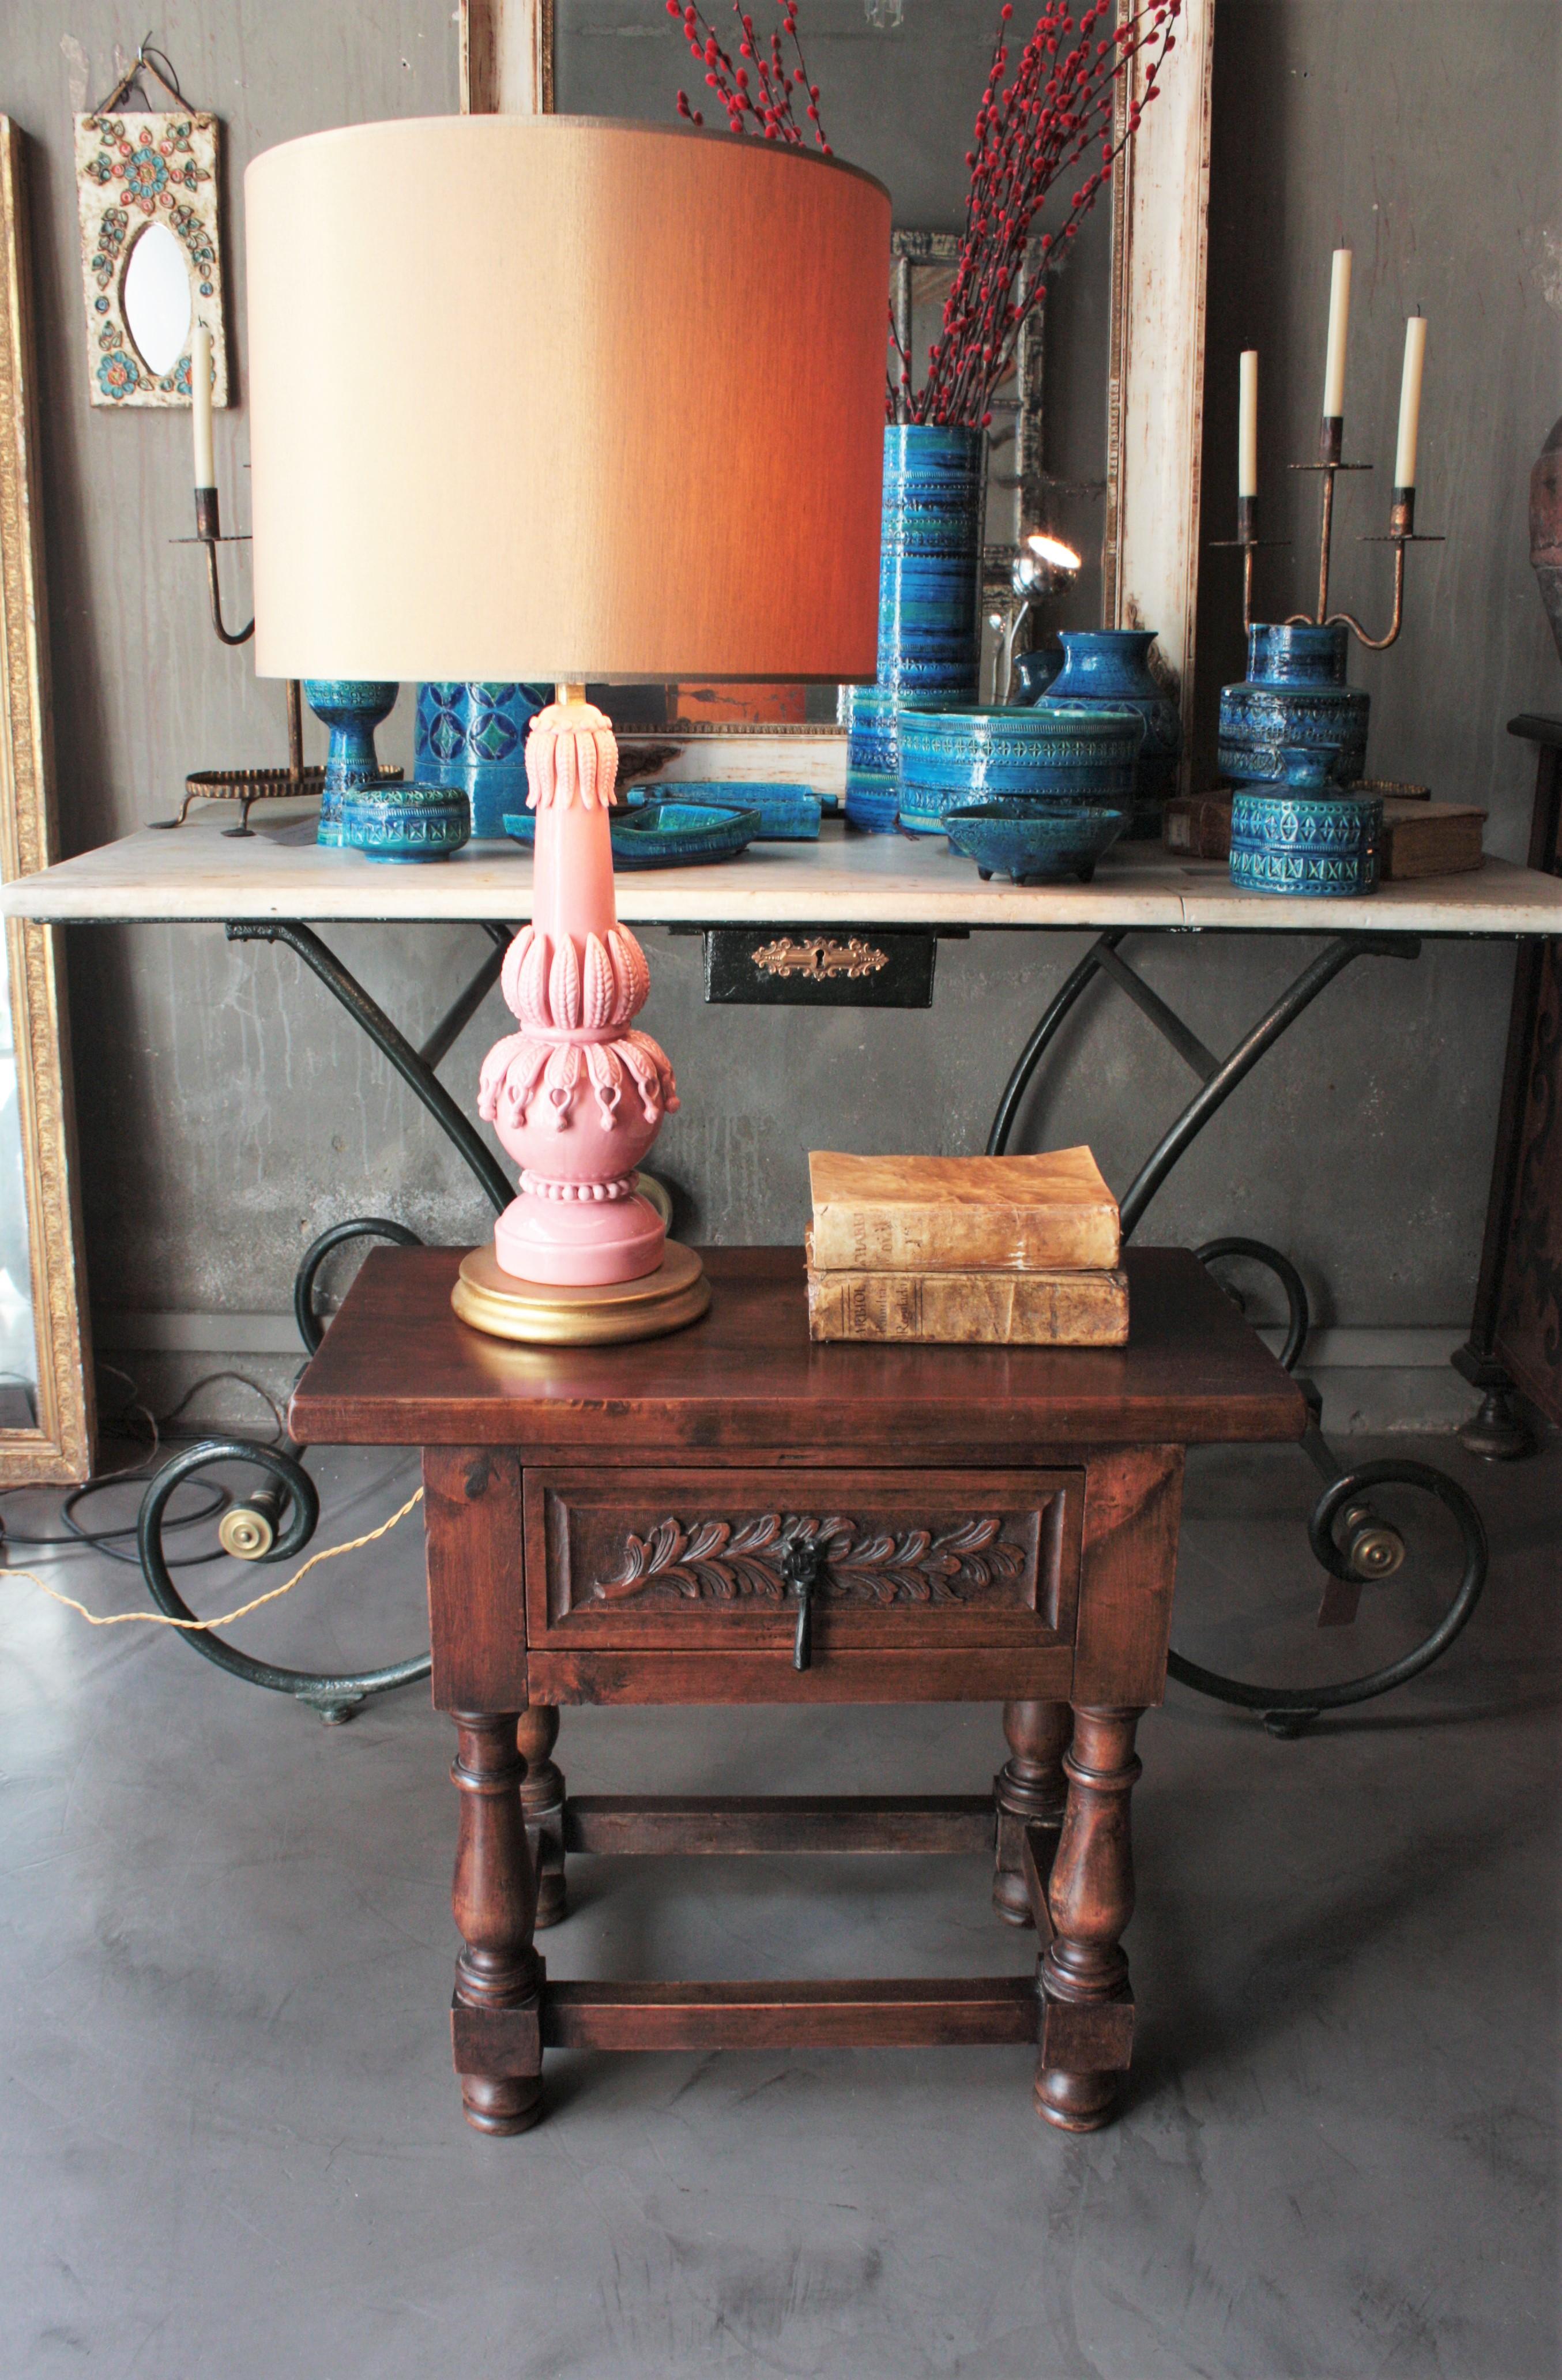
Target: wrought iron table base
(1353,1544)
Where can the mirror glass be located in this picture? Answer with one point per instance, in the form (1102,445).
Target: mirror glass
(157,300)
(18,1351)
(899,83)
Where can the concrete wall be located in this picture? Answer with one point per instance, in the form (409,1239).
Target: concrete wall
(228,1113)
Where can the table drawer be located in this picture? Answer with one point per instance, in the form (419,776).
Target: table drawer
(691,1560)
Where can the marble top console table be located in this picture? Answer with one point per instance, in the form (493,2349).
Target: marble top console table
(843,879)
(279,886)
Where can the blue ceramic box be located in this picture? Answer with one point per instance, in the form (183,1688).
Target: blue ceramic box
(1304,837)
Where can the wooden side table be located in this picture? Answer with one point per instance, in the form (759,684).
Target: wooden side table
(736,1515)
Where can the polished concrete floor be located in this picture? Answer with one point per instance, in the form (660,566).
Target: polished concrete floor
(231,2145)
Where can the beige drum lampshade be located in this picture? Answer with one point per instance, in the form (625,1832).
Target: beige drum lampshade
(555,397)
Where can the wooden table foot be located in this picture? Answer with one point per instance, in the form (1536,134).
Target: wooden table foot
(1029,1790)
(1088,2009)
(542,1800)
(502,2107)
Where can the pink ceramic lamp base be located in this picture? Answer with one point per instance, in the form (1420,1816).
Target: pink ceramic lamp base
(577,1096)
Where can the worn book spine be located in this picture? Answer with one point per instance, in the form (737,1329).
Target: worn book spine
(907,1238)
(1003,1309)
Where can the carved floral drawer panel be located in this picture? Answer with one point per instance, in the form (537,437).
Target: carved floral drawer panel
(685,1560)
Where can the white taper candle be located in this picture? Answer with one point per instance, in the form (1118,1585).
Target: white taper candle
(1340,320)
(1410,401)
(200,407)
(1247,424)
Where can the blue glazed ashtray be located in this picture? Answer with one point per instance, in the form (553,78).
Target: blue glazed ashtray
(406,822)
(787,813)
(1304,837)
(661,833)
(1033,843)
(951,759)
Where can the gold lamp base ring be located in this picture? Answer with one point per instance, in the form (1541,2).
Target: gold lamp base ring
(541,1315)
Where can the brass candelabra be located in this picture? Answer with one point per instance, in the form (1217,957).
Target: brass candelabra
(1401,532)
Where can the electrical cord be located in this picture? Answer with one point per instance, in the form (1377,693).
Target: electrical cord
(106,1541)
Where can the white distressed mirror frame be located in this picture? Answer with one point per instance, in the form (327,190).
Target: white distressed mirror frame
(1156,392)
(60,1447)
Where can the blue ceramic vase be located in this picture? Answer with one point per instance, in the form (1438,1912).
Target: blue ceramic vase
(1111,666)
(406,823)
(1303,835)
(1294,695)
(474,735)
(352,708)
(929,619)
(1046,757)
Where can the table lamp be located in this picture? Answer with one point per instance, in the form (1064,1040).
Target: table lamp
(558,399)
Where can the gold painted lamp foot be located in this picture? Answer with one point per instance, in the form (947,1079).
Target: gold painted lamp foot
(541,1314)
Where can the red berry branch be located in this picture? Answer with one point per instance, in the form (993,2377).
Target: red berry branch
(758,88)
(1055,110)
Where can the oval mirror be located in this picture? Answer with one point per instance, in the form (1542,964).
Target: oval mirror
(157,300)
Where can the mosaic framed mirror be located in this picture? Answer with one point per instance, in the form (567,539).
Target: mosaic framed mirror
(47,1418)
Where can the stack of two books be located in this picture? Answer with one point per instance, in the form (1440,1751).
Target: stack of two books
(1007,1251)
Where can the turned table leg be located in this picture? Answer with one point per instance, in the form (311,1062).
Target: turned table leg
(1029,1790)
(495,2020)
(542,1799)
(1088,2009)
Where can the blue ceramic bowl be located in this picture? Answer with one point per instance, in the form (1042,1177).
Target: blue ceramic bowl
(406,822)
(1036,844)
(787,813)
(951,759)
(661,833)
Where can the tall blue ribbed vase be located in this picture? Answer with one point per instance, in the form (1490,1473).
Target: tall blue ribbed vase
(929,618)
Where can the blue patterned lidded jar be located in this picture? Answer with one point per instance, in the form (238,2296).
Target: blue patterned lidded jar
(1294,695)
(474,735)
(929,618)
(1303,835)
(352,708)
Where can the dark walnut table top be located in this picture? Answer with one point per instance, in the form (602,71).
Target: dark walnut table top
(397,1368)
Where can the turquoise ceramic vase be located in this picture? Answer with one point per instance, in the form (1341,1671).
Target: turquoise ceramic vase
(352,708)
(1293,698)
(1111,667)
(929,620)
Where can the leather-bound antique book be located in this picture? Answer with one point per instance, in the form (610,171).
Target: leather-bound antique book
(1050,1213)
(1003,1309)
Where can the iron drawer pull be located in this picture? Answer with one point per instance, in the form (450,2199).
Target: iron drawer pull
(800,1567)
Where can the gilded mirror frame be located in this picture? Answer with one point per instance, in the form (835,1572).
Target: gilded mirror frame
(59,1448)
(1155,396)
